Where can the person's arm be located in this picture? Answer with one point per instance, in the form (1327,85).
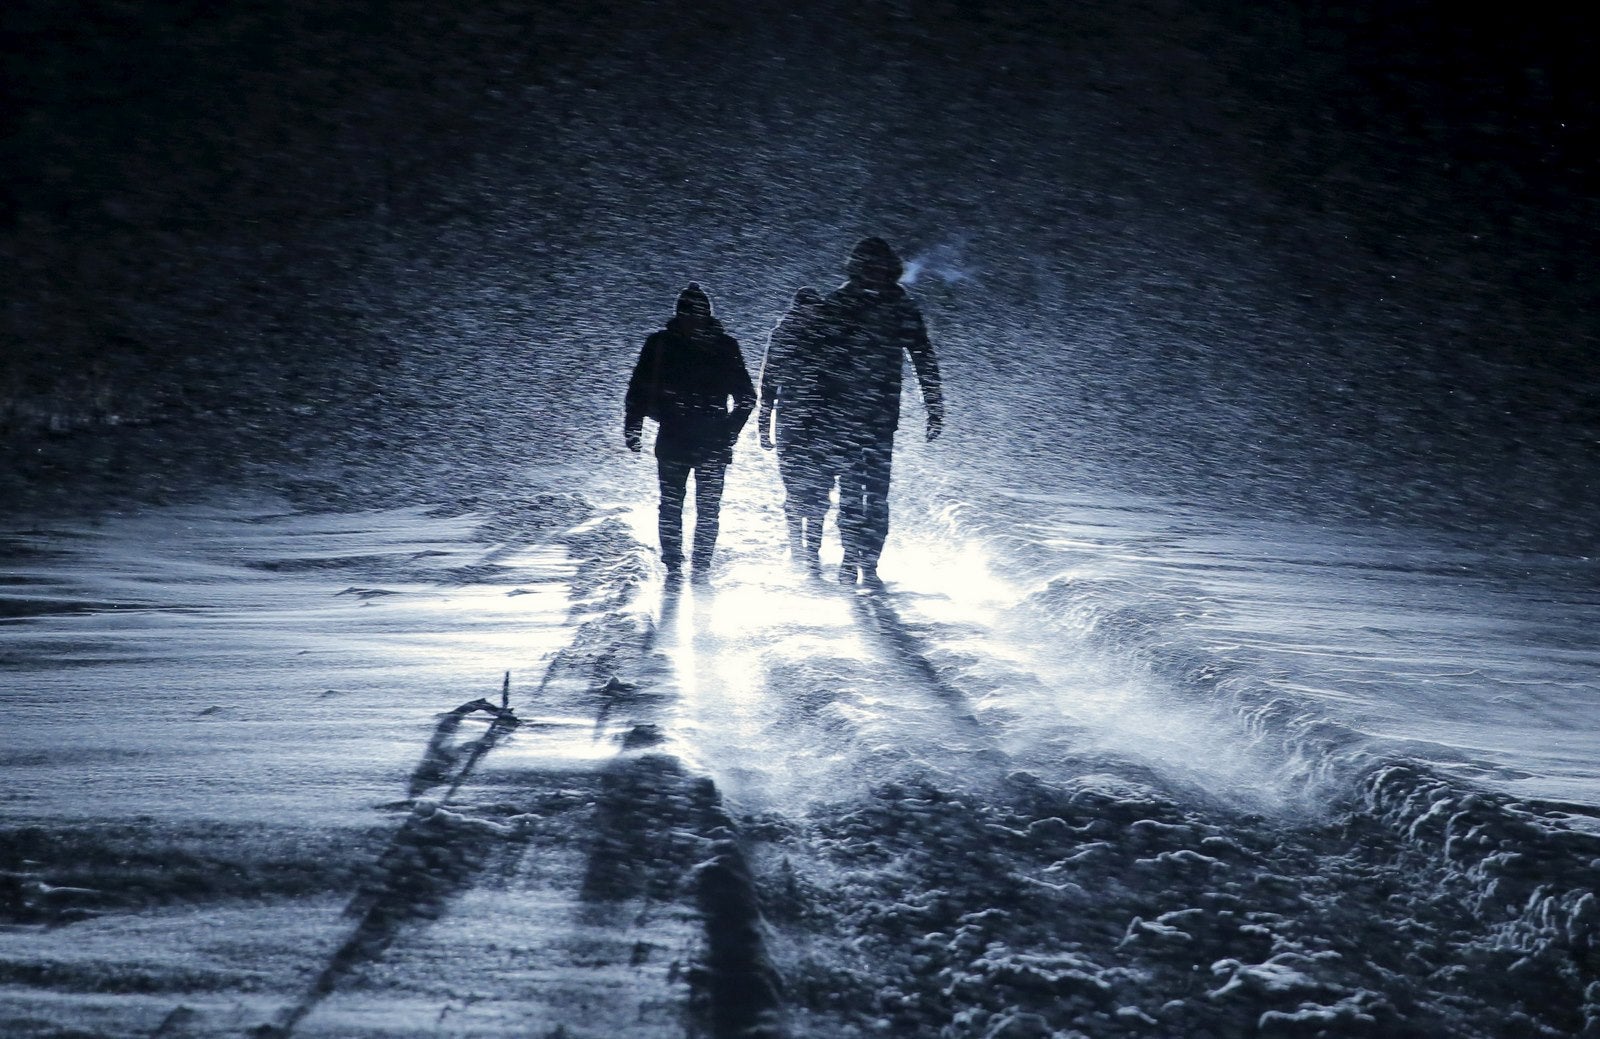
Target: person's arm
(741,389)
(770,366)
(641,390)
(926,364)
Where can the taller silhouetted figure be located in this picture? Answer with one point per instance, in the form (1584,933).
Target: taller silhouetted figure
(686,375)
(867,327)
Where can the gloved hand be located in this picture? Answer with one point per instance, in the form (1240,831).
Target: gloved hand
(935,426)
(634,441)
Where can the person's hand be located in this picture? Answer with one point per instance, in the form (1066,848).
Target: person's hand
(634,441)
(766,438)
(935,426)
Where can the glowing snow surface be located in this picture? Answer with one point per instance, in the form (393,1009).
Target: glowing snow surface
(1085,700)
(249,664)
(1257,662)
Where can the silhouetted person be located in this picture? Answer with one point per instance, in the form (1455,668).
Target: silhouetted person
(686,375)
(807,458)
(869,325)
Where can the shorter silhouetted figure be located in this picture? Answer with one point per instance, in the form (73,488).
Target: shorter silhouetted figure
(686,375)
(807,458)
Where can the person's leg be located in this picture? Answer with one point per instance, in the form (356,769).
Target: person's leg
(795,520)
(830,475)
(791,468)
(874,529)
(811,538)
(852,482)
(807,503)
(674,479)
(708,480)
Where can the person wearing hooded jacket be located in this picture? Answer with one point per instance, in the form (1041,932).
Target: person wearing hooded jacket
(790,419)
(869,325)
(684,379)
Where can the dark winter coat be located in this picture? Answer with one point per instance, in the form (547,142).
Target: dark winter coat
(790,377)
(684,381)
(866,331)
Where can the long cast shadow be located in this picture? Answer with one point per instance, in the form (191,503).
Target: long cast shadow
(878,616)
(643,825)
(445,754)
(662,834)
(739,989)
(615,692)
(435,855)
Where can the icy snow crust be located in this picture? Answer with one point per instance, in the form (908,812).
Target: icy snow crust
(260,780)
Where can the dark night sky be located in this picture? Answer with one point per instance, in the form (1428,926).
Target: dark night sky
(1341,215)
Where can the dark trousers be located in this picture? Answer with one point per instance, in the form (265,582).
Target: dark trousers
(807,471)
(708,479)
(864,503)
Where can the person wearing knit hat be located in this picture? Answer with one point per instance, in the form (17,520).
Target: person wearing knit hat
(687,374)
(789,420)
(694,302)
(868,326)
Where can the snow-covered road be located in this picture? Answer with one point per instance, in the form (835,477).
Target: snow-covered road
(248,789)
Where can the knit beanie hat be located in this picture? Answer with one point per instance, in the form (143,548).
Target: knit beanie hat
(806,296)
(693,300)
(872,260)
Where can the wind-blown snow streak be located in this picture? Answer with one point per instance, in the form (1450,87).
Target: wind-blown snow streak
(970,806)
